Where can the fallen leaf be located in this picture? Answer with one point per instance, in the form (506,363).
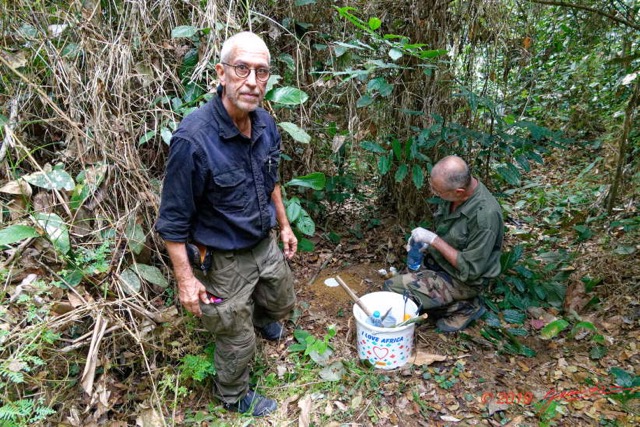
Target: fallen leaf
(449,418)
(305,411)
(424,358)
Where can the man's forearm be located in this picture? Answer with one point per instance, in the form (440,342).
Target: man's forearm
(281,213)
(181,267)
(448,252)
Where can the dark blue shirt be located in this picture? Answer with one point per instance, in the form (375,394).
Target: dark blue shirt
(218,183)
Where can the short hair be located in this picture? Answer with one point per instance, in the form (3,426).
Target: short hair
(230,45)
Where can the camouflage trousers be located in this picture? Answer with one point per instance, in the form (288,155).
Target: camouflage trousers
(432,290)
(256,288)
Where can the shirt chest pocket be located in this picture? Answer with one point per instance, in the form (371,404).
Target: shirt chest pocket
(227,191)
(270,170)
(458,235)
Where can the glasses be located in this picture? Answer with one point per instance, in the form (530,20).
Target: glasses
(242,71)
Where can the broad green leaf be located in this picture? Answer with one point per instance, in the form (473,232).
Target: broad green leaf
(426,54)
(183,31)
(135,237)
(71,50)
(520,332)
(16,233)
(305,224)
(395,53)
(88,182)
(513,317)
(624,250)
(372,146)
(315,180)
(147,137)
(553,329)
(364,101)
(418,176)
(55,229)
(509,259)
(130,282)
(55,179)
(152,275)
(374,23)
(381,85)
(3,120)
(623,378)
(384,165)
(304,2)
(509,173)
(296,132)
(166,134)
(306,245)
(293,209)
(286,96)
(401,173)
(598,352)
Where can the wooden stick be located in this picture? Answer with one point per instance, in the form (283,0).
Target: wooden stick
(354,297)
(416,319)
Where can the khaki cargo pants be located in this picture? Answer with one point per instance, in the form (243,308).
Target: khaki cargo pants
(432,290)
(256,286)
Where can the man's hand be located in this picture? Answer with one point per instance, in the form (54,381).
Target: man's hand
(190,293)
(289,242)
(422,235)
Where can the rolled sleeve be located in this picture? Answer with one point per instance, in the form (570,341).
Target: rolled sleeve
(181,188)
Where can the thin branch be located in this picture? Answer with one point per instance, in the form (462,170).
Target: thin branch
(589,9)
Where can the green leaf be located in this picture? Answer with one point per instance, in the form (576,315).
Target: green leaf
(147,137)
(623,378)
(183,31)
(624,250)
(304,2)
(3,120)
(55,229)
(130,282)
(364,101)
(374,23)
(384,165)
(151,274)
(315,180)
(381,85)
(509,173)
(293,209)
(306,245)
(56,179)
(553,329)
(166,134)
(287,96)
(135,237)
(305,224)
(598,352)
(509,259)
(417,176)
(71,50)
(373,147)
(395,53)
(296,133)
(16,233)
(513,317)
(401,173)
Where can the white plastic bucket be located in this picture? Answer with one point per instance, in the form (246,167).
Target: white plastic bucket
(385,348)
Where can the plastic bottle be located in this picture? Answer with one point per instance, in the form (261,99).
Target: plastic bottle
(389,321)
(375,319)
(414,257)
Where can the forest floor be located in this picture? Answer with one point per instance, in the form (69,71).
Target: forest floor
(455,379)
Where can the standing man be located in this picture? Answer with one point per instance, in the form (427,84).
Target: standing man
(220,203)
(462,254)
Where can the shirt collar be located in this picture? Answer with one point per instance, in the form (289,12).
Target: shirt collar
(228,129)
